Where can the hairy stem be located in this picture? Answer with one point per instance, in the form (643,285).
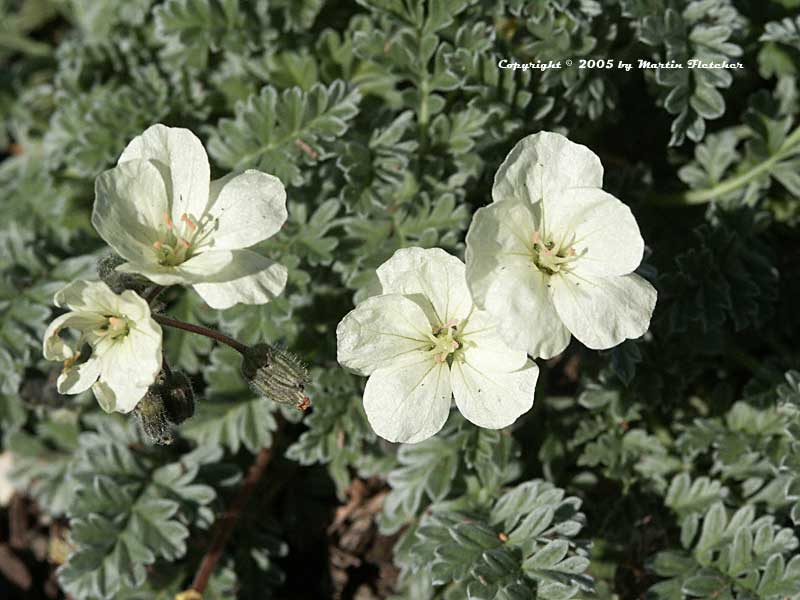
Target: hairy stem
(227,523)
(200,330)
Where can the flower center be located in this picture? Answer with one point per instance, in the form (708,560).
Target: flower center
(114,328)
(446,340)
(551,257)
(178,243)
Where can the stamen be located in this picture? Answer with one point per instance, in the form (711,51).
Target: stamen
(168,220)
(571,252)
(184,243)
(157,245)
(537,237)
(455,345)
(71,360)
(189,222)
(115,322)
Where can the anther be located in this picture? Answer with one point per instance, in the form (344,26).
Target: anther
(168,220)
(188,220)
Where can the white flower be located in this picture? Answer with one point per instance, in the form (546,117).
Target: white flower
(554,254)
(125,345)
(422,342)
(158,209)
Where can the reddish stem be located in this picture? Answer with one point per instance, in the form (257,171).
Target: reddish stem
(227,523)
(199,329)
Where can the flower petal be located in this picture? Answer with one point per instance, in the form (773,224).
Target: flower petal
(382,331)
(248,208)
(184,162)
(129,207)
(87,296)
(606,236)
(493,399)
(408,403)
(485,348)
(200,267)
(55,348)
(79,378)
(249,278)
(544,163)
(129,368)
(120,398)
(602,312)
(432,278)
(515,293)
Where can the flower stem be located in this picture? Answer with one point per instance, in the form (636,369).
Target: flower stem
(200,330)
(227,523)
(153,293)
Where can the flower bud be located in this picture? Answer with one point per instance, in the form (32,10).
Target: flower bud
(276,374)
(116,280)
(152,415)
(168,402)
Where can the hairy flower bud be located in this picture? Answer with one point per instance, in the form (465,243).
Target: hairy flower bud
(276,374)
(116,280)
(168,402)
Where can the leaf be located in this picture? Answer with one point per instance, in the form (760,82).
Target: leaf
(284,133)
(127,512)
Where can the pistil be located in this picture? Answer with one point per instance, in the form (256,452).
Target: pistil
(550,257)
(445,341)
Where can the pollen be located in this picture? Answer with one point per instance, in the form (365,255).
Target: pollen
(189,222)
(158,245)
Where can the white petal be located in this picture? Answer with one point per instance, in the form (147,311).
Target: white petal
(183,159)
(493,399)
(602,230)
(249,278)
(129,367)
(544,163)
(499,234)
(133,306)
(121,398)
(408,403)
(87,296)
(485,348)
(382,331)
(515,293)
(200,267)
(602,312)
(130,205)
(432,275)
(79,378)
(248,208)
(55,348)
